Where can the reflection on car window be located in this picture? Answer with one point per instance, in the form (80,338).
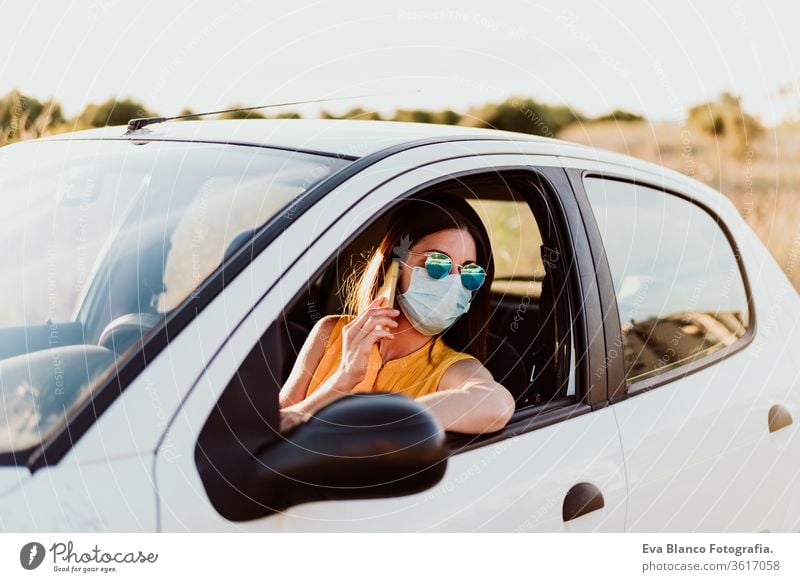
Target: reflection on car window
(225,208)
(679,288)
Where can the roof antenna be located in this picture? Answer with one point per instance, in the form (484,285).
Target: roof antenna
(139,123)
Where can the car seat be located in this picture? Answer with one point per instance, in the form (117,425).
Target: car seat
(545,345)
(506,366)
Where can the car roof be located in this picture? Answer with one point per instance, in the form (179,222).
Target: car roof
(345,137)
(356,138)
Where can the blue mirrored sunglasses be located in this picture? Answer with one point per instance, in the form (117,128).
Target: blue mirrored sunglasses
(438,266)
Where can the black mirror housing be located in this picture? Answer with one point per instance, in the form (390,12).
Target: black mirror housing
(362,446)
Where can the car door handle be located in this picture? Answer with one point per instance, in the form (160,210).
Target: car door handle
(779,418)
(581,499)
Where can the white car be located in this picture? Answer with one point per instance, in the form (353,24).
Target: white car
(157,284)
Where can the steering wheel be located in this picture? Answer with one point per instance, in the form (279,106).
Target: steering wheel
(122,332)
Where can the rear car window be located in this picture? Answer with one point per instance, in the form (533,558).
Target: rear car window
(679,288)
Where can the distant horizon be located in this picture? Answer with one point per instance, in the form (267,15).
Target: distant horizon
(341,106)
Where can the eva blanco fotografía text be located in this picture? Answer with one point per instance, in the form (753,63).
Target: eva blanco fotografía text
(706,549)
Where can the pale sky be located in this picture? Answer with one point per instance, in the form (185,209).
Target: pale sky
(655,58)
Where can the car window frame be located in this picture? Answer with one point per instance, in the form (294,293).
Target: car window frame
(624,390)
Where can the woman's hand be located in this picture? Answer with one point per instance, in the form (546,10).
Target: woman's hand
(291,418)
(359,335)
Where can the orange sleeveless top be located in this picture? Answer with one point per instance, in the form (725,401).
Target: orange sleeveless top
(412,374)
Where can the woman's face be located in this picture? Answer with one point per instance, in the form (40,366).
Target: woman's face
(457,243)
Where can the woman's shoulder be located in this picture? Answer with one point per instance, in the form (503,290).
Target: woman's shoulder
(445,355)
(338,320)
(333,320)
(453,367)
(328,327)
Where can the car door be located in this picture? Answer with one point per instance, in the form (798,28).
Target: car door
(556,470)
(702,387)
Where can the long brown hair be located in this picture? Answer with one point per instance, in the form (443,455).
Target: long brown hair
(410,221)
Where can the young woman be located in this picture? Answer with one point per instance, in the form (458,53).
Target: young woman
(431,345)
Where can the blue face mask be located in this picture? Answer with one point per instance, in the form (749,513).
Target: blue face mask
(433,305)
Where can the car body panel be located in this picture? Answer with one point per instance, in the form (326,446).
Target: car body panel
(111,495)
(516,485)
(11,478)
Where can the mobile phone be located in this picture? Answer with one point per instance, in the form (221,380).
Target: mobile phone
(389,286)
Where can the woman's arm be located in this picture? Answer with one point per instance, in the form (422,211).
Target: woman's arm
(337,385)
(295,407)
(468,400)
(309,357)
(358,339)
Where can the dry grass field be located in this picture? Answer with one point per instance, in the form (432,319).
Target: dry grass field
(762,178)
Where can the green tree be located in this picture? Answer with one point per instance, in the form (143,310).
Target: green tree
(443,117)
(620,115)
(414,115)
(361,113)
(241,114)
(725,119)
(190,113)
(288,115)
(447,117)
(522,115)
(352,113)
(23,116)
(111,112)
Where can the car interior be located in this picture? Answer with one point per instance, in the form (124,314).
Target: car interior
(524,352)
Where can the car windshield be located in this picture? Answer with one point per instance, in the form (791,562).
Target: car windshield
(100,239)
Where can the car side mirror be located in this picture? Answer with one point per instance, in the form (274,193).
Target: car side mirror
(362,446)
